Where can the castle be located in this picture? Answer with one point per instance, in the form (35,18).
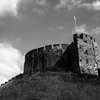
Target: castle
(81,56)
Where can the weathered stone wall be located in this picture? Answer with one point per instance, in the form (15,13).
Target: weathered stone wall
(43,58)
(88,53)
(73,57)
(80,56)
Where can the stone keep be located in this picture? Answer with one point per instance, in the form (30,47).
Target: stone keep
(43,58)
(88,53)
(81,56)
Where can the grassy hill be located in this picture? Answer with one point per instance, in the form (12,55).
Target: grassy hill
(51,86)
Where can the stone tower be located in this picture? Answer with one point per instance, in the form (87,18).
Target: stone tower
(81,56)
(88,53)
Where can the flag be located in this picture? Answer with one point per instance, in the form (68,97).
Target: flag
(74,17)
(75,24)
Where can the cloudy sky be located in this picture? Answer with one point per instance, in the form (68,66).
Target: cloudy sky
(27,24)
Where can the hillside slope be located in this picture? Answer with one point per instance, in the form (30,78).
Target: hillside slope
(52,86)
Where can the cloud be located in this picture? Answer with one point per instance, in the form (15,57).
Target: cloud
(39,11)
(9,7)
(18,40)
(70,4)
(81,29)
(96,31)
(60,27)
(91,6)
(37,2)
(36,5)
(96,16)
(50,28)
(3,80)
(11,62)
(56,28)
(61,4)
(41,2)
(84,29)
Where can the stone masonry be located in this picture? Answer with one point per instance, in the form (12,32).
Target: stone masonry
(43,58)
(88,54)
(81,56)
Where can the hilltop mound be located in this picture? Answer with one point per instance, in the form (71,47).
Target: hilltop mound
(58,72)
(52,86)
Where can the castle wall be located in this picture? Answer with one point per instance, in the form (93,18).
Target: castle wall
(80,56)
(73,57)
(29,61)
(88,53)
(43,58)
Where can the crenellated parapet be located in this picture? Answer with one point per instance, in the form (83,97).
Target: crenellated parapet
(81,56)
(43,58)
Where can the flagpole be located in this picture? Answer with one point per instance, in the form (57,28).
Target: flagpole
(75,24)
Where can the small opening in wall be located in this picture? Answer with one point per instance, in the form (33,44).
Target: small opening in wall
(80,60)
(80,47)
(87,61)
(85,41)
(81,36)
(86,52)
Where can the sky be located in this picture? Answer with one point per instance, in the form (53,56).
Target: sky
(28,24)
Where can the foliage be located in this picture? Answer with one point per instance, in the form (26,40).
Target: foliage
(52,86)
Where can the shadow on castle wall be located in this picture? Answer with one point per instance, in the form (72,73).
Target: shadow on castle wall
(81,56)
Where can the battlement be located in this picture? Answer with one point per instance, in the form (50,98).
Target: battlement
(41,49)
(47,48)
(80,56)
(84,37)
(47,55)
(56,46)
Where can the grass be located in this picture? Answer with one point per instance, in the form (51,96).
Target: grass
(52,86)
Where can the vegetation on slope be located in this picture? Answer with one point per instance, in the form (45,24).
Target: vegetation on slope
(52,86)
